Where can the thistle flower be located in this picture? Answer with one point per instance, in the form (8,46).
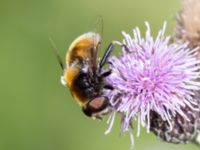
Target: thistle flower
(153,77)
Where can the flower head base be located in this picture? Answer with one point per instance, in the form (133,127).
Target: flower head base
(153,75)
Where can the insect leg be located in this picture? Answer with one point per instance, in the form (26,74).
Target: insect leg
(106,55)
(108,51)
(106,73)
(109,87)
(56,52)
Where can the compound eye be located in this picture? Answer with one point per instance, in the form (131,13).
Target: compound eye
(98,103)
(95,106)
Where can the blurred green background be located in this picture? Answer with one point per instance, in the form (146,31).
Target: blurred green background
(36,111)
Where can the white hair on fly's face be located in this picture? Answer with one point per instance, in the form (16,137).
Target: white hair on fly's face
(62,80)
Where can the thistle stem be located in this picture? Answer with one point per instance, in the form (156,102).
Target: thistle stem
(196,140)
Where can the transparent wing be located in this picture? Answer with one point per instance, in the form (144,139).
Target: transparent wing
(97,27)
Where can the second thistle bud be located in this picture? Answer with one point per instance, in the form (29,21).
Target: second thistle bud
(187,27)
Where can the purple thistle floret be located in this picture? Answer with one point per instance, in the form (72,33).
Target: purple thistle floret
(152,75)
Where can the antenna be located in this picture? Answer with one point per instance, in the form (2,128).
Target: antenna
(56,53)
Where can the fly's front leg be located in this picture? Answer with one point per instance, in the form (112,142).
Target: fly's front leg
(106,55)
